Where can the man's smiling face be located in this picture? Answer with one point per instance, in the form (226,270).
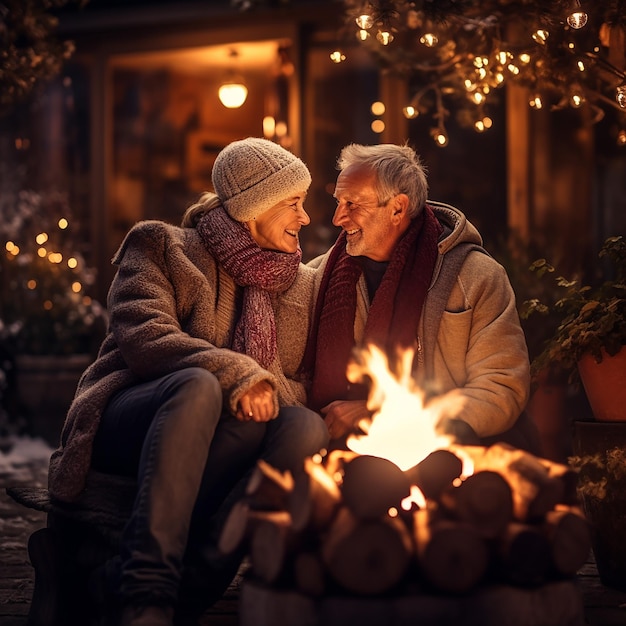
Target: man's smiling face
(369,225)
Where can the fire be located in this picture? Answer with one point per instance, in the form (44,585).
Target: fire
(403,429)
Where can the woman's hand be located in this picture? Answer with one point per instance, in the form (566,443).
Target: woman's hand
(257,404)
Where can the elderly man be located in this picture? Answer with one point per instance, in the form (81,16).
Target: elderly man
(410,273)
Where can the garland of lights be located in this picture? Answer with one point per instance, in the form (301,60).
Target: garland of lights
(566,53)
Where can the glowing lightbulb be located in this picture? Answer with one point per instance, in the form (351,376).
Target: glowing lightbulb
(620,95)
(577,18)
(536,102)
(576,100)
(384,37)
(541,36)
(410,112)
(362,35)
(430,40)
(440,136)
(337,56)
(364,21)
(232,94)
(621,137)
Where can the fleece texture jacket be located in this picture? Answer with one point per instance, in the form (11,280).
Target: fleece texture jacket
(172,306)
(473,354)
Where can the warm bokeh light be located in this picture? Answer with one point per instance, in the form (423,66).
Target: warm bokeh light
(377,108)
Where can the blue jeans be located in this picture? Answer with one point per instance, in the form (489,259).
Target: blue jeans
(191,460)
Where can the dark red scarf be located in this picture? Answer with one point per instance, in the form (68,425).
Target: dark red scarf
(393,316)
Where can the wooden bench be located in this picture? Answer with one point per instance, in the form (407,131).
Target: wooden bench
(78,538)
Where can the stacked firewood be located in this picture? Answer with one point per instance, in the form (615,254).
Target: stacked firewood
(346,523)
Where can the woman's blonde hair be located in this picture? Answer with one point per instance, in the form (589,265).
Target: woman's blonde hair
(207,202)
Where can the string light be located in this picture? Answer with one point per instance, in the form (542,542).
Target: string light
(577,18)
(384,37)
(430,40)
(364,21)
(620,95)
(457,49)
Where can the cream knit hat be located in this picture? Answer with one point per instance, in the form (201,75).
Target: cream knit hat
(253,174)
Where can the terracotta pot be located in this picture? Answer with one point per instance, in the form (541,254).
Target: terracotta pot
(601,450)
(605,385)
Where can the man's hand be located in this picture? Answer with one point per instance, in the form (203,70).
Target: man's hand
(257,404)
(343,416)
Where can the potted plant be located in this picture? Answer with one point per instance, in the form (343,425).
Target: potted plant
(588,343)
(56,325)
(550,393)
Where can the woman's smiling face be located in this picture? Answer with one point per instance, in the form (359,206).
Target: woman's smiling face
(278,227)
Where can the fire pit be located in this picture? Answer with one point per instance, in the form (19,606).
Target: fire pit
(346,542)
(464,534)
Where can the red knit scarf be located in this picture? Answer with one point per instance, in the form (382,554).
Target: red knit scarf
(393,316)
(259,271)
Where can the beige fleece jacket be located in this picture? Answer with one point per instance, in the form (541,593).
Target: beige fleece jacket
(479,360)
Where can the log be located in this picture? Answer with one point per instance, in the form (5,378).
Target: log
(569,535)
(523,554)
(372,485)
(435,473)
(241,523)
(271,547)
(452,556)
(535,491)
(366,556)
(268,488)
(314,498)
(569,479)
(483,500)
(309,573)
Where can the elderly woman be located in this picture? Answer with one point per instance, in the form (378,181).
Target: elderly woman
(193,382)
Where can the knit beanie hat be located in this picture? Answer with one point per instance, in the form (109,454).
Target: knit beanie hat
(252,175)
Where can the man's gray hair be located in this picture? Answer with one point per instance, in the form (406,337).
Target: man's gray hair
(398,169)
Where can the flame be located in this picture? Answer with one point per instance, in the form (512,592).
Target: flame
(415,497)
(402,429)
